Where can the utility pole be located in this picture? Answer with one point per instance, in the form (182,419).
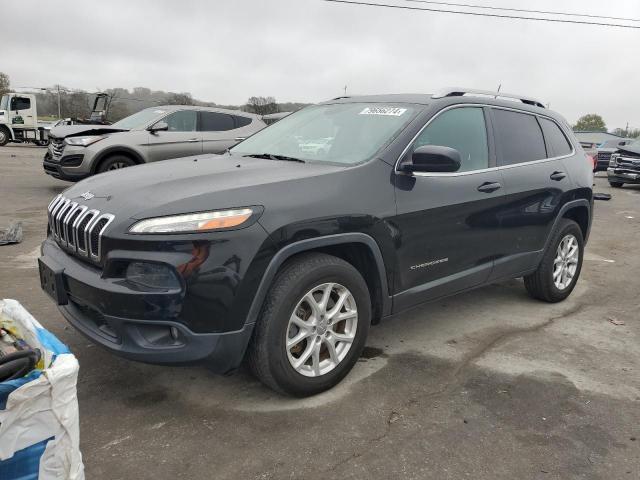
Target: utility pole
(59,115)
(345,90)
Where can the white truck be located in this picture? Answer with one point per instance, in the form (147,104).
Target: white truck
(19,120)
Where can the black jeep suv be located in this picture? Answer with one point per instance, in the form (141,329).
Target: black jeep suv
(287,248)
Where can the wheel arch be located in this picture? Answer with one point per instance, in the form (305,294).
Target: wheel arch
(118,150)
(577,210)
(358,249)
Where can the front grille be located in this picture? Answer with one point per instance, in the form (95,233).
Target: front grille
(76,228)
(603,157)
(57,148)
(630,163)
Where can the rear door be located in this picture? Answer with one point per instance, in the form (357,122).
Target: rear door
(534,179)
(447,223)
(182,139)
(221,130)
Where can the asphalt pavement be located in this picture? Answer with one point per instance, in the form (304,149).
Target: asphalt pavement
(490,384)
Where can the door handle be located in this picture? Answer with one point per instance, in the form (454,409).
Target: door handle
(239,139)
(193,140)
(557,176)
(488,187)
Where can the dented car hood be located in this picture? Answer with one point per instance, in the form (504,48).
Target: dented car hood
(633,149)
(64,131)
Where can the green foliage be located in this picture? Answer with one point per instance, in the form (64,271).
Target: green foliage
(590,123)
(4,84)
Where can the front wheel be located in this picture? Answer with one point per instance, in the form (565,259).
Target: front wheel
(558,272)
(616,184)
(4,137)
(115,163)
(313,326)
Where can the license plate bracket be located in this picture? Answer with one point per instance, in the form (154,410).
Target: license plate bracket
(52,280)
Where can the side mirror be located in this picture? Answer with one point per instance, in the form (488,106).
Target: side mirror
(433,158)
(160,126)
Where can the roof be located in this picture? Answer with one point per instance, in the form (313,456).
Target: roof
(597,137)
(173,108)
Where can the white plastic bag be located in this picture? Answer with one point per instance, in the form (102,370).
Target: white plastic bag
(39,426)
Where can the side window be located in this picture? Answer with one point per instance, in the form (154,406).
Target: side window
(241,121)
(518,136)
(216,122)
(183,121)
(556,141)
(461,128)
(20,103)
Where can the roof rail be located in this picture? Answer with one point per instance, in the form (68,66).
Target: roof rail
(459,92)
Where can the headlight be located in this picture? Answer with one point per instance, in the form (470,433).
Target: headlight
(613,160)
(193,222)
(83,141)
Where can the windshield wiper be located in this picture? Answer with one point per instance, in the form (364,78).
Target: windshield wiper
(271,156)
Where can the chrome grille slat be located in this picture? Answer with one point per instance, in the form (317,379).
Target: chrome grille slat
(77,228)
(57,148)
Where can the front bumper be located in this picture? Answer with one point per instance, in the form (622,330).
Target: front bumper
(139,325)
(69,167)
(623,175)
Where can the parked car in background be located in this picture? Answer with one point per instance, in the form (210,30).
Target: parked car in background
(624,165)
(605,150)
(157,133)
(289,253)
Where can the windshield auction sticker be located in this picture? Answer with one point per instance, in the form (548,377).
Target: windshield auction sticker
(389,111)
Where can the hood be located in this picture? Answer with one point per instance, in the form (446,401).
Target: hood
(192,184)
(633,149)
(64,131)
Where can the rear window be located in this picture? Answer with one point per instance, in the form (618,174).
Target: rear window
(216,122)
(518,136)
(557,143)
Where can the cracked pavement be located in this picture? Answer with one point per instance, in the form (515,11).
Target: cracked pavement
(489,384)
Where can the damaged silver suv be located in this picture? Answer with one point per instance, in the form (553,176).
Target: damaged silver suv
(157,133)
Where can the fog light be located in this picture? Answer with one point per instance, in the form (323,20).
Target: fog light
(152,276)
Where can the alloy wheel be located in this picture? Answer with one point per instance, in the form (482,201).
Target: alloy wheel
(117,165)
(321,329)
(565,264)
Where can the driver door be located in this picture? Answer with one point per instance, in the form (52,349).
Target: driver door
(22,112)
(448,223)
(182,139)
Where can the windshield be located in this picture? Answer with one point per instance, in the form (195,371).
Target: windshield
(346,133)
(4,102)
(140,119)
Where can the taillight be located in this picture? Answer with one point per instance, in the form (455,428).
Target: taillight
(592,161)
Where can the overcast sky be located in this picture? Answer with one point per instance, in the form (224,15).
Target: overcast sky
(308,50)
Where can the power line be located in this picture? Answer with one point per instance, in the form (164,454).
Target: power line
(477,14)
(522,10)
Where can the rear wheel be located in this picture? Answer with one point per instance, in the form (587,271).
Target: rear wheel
(616,184)
(4,136)
(312,327)
(560,267)
(115,162)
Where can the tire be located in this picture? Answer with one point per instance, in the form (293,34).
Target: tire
(616,184)
(115,162)
(541,284)
(5,136)
(268,356)
(42,143)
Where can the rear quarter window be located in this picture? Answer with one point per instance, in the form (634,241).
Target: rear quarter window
(241,121)
(518,137)
(557,142)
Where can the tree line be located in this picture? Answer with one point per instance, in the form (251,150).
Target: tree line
(121,102)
